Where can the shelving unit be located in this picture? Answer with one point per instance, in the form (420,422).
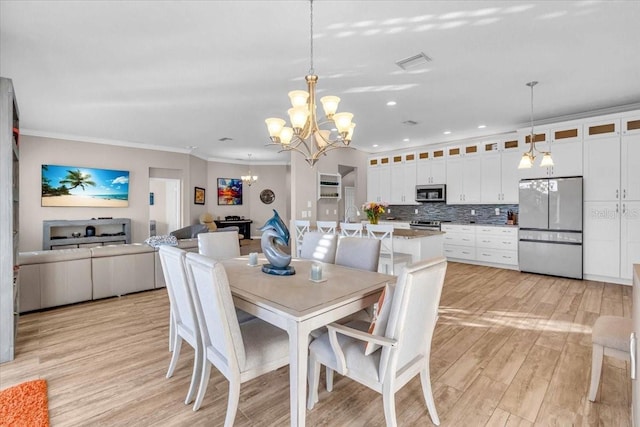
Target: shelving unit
(9,219)
(329,186)
(57,234)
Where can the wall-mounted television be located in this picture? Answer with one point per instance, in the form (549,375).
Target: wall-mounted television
(74,186)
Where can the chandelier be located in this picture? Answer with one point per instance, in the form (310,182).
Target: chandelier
(305,134)
(528,158)
(249,179)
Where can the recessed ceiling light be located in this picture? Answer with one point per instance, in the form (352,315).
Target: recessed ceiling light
(447,132)
(375,145)
(391,103)
(406,140)
(482,126)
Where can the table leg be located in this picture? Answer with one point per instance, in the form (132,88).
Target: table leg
(298,356)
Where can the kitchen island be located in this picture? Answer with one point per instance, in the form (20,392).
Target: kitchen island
(421,244)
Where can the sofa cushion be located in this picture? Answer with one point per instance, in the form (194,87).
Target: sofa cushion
(41,257)
(116,250)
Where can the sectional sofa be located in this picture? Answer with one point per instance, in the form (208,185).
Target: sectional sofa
(65,276)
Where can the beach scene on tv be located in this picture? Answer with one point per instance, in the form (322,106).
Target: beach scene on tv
(70,186)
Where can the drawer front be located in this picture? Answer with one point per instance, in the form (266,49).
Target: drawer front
(456,228)
(497,242)
(460,252)
(497,256)
(461,239)
(497,231)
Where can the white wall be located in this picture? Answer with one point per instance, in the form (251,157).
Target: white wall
(273,177)
(304,183)
(195,172)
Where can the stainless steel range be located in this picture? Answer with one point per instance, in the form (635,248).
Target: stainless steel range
(426,225)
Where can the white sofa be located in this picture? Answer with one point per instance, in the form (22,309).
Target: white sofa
(52,278)
(65,276)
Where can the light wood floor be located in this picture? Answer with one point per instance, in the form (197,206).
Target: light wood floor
(510,349)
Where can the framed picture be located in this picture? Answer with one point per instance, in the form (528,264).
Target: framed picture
(74,186)
(229,191)
(198,196)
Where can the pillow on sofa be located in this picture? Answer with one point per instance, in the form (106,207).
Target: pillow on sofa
(156,241)
(190,231)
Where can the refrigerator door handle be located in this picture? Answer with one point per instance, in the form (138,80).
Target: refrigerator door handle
(632,352)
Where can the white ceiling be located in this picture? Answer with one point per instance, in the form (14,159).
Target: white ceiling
(179,74)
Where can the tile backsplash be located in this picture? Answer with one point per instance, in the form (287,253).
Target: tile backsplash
(484,214)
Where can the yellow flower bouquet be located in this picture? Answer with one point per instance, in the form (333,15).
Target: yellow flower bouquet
(374,210)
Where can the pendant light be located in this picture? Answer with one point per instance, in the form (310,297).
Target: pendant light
(528,158)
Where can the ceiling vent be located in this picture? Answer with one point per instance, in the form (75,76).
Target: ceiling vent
(413,61)
(225,139)
(410,123)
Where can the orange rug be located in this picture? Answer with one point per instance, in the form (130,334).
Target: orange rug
(25,405)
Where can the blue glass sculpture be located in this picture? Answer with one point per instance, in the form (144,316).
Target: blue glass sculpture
(275,236)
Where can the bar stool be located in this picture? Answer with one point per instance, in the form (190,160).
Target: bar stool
(610,337)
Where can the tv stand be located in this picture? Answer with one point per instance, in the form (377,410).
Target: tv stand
(57,234)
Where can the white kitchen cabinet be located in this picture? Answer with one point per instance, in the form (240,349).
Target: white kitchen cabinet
(612,197)
(629,238)
(379,179)
(497,245)
(630,158)
(564,142)
(431,167)
(403,179)
(464,171)
(601,239)
(459,242)
(482,244)
(499,172)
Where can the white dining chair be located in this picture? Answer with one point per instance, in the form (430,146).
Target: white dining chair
(328,227)
(609,337)
(355,252)
(183,323)
(240,352)
(219,245)
(351,229)
(405,341)
(362,254)
(388,257)
(318,246)
(301,227)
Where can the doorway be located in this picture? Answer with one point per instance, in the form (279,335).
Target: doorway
(164,205)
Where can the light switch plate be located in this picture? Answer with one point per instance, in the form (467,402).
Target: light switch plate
(497,211)
(308,203)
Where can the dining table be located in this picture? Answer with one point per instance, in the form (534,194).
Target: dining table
(299,305)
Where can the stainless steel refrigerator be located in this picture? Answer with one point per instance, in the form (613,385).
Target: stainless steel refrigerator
(550,217)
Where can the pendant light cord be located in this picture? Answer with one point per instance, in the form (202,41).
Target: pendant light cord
(311,70)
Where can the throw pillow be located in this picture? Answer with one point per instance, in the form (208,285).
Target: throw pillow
(380,317)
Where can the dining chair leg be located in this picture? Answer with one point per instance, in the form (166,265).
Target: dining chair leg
(425,379)
(313,376)
(232,405)
(389,404)
(172,332)
(597,355)
(174,357)
(329,379)
(204,382)
(195,376)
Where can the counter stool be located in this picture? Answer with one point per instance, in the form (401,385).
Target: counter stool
(610,337)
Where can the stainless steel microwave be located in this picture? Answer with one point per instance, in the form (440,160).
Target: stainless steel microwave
(431,193)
